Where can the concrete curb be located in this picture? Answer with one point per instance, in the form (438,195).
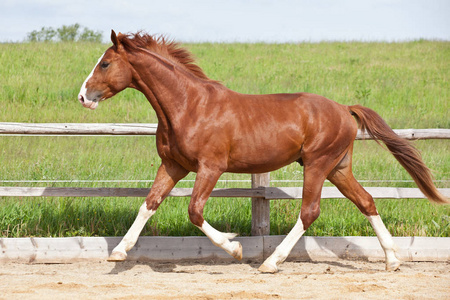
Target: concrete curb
(65,250)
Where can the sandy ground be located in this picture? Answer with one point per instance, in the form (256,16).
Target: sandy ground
(156,280)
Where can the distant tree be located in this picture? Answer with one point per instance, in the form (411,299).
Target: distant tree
(46,34)
(66,33)
(90,36)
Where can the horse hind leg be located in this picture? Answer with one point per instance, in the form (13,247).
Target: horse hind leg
(309,212)
(342,177)
(282,251)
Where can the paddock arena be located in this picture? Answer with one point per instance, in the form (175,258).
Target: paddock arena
(339,279)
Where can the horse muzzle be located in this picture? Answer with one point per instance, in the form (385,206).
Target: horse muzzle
(87,103)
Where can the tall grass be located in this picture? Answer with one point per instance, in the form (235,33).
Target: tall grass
(407,83)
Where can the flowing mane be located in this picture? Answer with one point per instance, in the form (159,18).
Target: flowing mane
(166,48)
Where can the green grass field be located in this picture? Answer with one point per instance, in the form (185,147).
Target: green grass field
(406,83)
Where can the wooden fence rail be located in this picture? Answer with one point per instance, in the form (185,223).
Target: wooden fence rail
(264,192)
(7,128)
(260,191)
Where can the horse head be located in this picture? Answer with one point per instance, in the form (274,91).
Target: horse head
(111,74)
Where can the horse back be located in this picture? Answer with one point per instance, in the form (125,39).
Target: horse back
(260,133)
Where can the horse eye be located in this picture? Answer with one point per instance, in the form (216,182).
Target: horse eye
(104,65)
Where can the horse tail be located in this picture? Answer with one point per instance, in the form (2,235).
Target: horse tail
(407,155)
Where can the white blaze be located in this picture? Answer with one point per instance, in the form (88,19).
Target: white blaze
(82,95)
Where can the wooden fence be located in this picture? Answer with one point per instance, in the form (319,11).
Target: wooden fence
(260,191)
(7,128)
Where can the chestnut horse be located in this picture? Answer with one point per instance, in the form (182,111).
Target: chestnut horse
(206,128)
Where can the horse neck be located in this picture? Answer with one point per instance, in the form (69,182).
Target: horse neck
(165,86)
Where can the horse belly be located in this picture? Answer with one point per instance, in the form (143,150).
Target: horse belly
(264,154)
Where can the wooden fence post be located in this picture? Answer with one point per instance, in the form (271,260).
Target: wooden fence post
(260,206)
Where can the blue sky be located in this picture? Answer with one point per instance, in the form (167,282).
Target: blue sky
(237,20)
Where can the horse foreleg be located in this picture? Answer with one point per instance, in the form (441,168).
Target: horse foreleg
(204,184)
(166,178)
(129,240)
(222,240)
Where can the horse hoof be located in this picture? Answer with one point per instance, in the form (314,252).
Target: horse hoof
(264,268)
(393,266)
(237,253)
(117,256)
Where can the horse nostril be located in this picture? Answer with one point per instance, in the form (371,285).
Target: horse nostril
(81,98)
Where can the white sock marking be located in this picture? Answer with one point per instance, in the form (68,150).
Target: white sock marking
(218,238)
(130,239)
(282,251)
(386,241)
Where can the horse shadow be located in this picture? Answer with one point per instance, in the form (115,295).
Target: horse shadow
(338,252)
(128,265)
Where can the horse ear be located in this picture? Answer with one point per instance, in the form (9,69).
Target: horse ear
(114,39)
